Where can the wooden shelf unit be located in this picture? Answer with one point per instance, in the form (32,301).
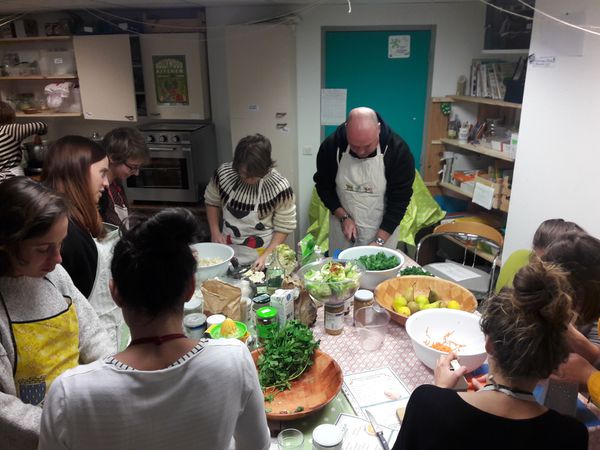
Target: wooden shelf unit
(480,148)
(484,101)
(34,39)
(49,114)
(40,77)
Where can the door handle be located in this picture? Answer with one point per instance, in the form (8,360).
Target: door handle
(155,114)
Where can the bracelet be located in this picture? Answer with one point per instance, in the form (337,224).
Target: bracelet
(343,218)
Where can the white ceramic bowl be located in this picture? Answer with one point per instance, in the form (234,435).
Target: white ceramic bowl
(212,250)
(372,278)
(432,324)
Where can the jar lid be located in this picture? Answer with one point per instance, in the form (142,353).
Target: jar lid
(192,303)
(194,320)
(327,435)
(363,295)
(266,312)
(262,298)
(215,319)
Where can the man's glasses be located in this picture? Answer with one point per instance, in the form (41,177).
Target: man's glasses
(132,168)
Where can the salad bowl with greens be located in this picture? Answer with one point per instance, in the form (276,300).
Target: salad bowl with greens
(331,281)
(381,263)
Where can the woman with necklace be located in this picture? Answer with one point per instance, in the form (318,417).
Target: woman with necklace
(526,340)
(164,390)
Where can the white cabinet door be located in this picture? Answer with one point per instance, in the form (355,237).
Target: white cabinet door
(261,80)
(105,77)
(175,75)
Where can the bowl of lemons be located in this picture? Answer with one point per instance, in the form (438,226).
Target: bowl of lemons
(407,295)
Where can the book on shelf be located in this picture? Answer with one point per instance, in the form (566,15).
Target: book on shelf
(489,77)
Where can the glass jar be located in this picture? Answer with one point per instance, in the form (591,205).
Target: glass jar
(260,301)
(274,273)
(334,319)
(193,305)
(266,323)
(362,299)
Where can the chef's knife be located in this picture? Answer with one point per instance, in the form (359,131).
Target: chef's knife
(378,431)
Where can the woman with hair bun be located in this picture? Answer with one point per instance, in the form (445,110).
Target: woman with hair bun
(164,390)
(526,340)
(46,325)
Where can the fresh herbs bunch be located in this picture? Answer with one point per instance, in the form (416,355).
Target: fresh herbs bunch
(286,356)
(415,270)
(379,261)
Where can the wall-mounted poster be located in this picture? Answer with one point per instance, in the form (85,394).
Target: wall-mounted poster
(170,79)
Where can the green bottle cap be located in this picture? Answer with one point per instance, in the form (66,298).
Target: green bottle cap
(266,312)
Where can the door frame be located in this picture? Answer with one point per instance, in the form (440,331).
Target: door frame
(430,28)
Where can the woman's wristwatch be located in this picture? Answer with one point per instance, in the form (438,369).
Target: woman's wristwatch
(379,241)
(344,217)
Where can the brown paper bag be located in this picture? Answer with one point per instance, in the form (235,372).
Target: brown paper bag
(221,298)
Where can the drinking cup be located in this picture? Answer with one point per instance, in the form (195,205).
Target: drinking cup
(371,323)
(290,439)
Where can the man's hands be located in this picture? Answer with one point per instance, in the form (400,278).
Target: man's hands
(349,229)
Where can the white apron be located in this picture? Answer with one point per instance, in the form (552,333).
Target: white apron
(122,211)
(111,316)
(360,186)
(245,228)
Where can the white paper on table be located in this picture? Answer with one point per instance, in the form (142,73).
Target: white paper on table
(358,434)
(374,387)
(333,106)
(483,195)
(454,271)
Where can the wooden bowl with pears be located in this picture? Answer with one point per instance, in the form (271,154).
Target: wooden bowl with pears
(407,295)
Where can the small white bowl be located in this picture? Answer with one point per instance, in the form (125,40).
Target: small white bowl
(432,324)
(372,278)
(212,250)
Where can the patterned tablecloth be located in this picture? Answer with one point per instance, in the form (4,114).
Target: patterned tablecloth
(396,353)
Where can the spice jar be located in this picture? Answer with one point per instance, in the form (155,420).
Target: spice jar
(327,437)
(334,319)
(362,299)
(260,301)
(266,323)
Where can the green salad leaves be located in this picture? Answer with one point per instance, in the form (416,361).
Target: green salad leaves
(379,261)
(333,280)
(286,356)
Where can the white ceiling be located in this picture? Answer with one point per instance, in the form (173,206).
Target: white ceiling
(21,6)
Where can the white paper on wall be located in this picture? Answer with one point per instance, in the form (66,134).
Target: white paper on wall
(333,106)
(399,46)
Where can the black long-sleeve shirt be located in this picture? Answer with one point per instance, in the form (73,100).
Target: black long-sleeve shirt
(399,173)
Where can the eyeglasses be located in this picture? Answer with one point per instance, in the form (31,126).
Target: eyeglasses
(132,168)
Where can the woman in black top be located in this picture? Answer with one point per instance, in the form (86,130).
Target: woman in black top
(77,167)
(525,331)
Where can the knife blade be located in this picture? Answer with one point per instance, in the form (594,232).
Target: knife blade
(378,431)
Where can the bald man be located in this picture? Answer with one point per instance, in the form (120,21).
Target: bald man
(365,173)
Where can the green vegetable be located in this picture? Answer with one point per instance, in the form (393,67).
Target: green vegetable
(299,409)
(415,270)
(286,257)
(379,261)
(269,398)
(286,356)
(332,280)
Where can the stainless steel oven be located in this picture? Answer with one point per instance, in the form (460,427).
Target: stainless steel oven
(183,157)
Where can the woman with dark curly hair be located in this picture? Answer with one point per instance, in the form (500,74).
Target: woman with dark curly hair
(526,339)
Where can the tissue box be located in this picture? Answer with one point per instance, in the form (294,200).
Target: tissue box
(283,301)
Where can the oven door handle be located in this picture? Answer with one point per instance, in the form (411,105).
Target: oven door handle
(169,152)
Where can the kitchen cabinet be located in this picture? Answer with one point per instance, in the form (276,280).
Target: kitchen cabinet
(33,65)
(261,85)
(106,77)
(175,75)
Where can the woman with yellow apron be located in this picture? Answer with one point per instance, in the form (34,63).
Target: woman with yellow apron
(46,325)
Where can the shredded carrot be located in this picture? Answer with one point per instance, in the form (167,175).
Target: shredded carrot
(446,345)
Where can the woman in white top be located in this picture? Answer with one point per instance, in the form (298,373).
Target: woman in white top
(164,390)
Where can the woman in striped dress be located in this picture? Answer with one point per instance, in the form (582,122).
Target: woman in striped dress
(257,203)
(11,135)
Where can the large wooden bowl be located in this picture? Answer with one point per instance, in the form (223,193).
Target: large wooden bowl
(388,290)
(314,389)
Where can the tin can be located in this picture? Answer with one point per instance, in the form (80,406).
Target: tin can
(194,325)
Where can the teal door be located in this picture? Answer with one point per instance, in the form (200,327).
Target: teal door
(397,88)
